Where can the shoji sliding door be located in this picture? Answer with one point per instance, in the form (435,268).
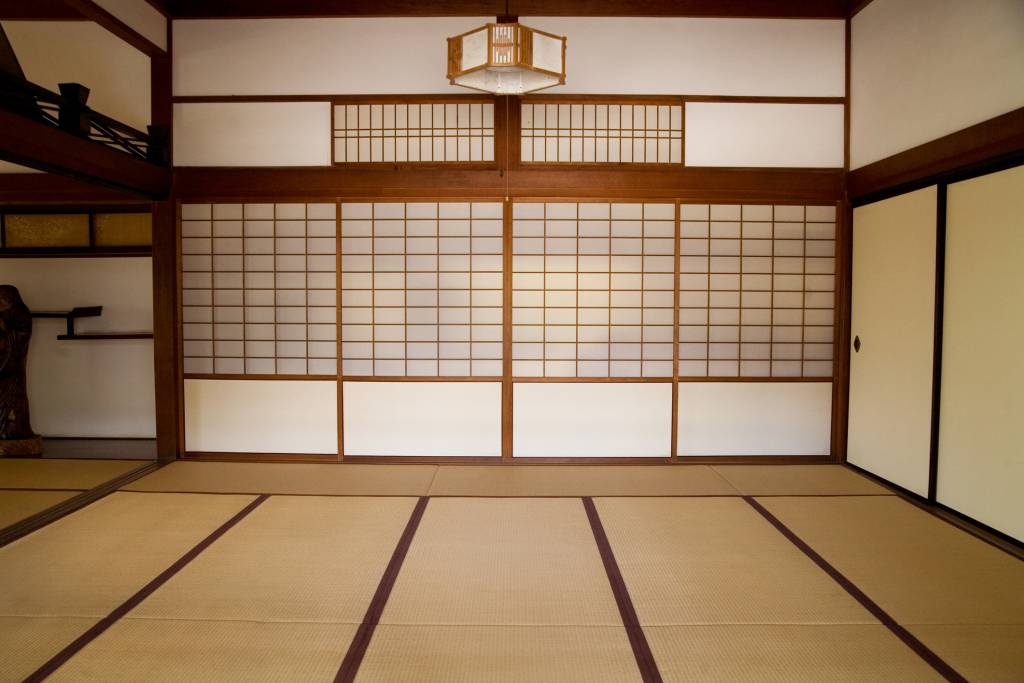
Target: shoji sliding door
(892,330)
(981,433)
(421,328)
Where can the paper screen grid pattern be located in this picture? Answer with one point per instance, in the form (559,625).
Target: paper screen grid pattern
(592,289)
(422,289)
(404,132)
(757,290)
(259,288)
(602,133)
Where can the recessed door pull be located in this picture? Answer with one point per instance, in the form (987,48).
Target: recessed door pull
(856,344)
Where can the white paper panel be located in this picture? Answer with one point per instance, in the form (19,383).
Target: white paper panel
(981,461)
(755,134)
(407,55)
(592,420)
(117,75)
(261,416)
(141,16)
(894,316)
(422,418)
(96,388)
(252,134)
(922,69)
(741,418)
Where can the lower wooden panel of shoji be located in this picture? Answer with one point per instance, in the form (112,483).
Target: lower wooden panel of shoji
(261,416)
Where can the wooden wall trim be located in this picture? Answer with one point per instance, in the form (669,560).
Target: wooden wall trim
(696,183)
(761,9)
(986,142)
(91,10)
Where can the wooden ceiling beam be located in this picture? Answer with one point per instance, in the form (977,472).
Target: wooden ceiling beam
(90,10)
(238,9)
(46,148)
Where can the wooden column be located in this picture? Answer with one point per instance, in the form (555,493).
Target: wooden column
(166,309)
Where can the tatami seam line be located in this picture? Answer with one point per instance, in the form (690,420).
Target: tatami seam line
(911,641)
(364,634)
(645,662)
(121,610)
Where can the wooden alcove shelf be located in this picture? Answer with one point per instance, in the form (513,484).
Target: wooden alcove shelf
(86,312)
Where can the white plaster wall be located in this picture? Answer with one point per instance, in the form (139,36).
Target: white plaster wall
(604,55)
(100,388)
(621,419)
(756,134)
(755,418)
(252,134)
(922,69)
(422,418)
(52,52)
(981,457)
(261,416)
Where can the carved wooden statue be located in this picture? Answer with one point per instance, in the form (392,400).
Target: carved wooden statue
(16,436)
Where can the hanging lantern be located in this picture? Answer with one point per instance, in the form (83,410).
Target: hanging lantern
(506,59)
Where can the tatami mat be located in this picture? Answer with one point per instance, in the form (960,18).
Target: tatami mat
(716,561)
(290,478)
(294,558)
(89,562)
(154,650)
(38,473)
(508,561)
(980,653)
(784,654)
(499,654)
(579,480)
(17,505)
(27,642)
(797,480)
(918,568)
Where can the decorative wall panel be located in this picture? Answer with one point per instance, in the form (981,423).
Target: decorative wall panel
(422,289)
(417,132)
(259,288)
(757,290)
(592,289)
(596,132)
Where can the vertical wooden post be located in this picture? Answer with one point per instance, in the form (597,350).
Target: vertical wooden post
(166,349)
(166,310)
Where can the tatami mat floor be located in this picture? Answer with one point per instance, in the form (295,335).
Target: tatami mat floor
(225,572)
(31,485)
